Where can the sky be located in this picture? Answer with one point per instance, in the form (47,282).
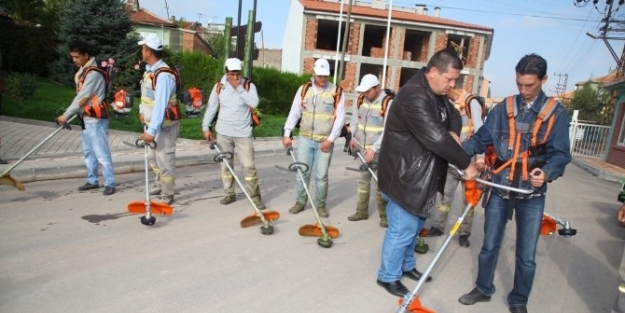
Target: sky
(554,29)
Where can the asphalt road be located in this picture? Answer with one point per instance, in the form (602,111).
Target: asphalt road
(65,251)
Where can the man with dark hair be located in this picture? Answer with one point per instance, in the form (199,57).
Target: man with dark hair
(233,97)
(529,132)
(420,138)
(160,113)
(91,107)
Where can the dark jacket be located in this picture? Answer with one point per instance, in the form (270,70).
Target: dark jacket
(417,146)
(496,132)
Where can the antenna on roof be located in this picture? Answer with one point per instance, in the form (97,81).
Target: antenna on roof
(167,9)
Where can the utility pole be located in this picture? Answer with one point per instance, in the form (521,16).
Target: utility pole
(345,40)
(561,87)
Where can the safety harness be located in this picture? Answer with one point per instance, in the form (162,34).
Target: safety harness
(172,112)
(536,147)
(336,96)
(97,109)
(467,110)
(387,98)
(246,85)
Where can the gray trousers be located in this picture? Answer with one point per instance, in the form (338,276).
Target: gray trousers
(363,188)
(439,217)
(163,159)
(245,154)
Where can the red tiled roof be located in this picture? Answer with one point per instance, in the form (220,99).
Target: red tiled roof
(359,10)
(143,16)
(605,79)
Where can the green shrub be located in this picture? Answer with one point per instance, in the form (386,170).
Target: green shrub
(276,89)
(21,86)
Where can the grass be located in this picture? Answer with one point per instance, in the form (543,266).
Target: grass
(50,100)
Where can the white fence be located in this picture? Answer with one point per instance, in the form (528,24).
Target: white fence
(588,140)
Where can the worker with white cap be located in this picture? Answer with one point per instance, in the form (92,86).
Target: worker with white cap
(367,128)
(234,96)
(160,112)
(321,107)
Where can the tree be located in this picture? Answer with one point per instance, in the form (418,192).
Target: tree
(594,104)
(106,26)
(218,43)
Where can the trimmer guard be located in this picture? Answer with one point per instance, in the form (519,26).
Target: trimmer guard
(254,219)
(548,226)
(315,231)
(156,208)
(415,306)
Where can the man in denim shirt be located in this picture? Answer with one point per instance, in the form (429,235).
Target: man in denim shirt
(539,151)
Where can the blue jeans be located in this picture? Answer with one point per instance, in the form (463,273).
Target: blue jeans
(95,147)
(528,216)
(399,242)
(308,152)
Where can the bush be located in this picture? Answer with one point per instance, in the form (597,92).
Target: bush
(21,86)
(276,89)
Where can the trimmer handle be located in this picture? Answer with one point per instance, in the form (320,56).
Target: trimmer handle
(140,143)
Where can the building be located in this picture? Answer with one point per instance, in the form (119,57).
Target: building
(184,37)
(616,139)
(414,37)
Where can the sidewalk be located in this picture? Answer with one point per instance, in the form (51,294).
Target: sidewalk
(61,157)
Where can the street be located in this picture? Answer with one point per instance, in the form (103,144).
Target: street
(66,251)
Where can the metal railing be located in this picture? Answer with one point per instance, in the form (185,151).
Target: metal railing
(589,140)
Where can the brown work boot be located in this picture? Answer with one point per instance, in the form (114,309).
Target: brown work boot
(323,212)
(298,207)
(358,216)
(228,199)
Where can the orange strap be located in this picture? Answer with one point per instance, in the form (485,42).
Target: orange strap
(517,146)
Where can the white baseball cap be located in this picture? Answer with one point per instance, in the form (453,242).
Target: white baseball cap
(367,82)
(322,67)
(233,64)
(152,42)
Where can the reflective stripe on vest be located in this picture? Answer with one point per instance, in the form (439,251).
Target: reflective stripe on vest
(371,120)
(318,113)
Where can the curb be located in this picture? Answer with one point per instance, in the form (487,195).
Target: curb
(597,172)
(53,168)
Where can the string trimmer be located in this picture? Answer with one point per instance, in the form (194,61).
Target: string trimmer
(473,195)
(319,229)
(148,207)
(259,217)
(7,179)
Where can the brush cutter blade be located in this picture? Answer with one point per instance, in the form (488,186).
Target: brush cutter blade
(315,231)
(415,306)
(156,208)
(254,219)
(9,180)
(548,226)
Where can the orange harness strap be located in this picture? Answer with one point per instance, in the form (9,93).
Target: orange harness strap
(516,138)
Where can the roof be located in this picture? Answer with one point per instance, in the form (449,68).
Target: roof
(605,79)
(396,15)
(143,16)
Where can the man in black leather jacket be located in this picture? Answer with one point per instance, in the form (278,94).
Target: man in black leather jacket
(420,138)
